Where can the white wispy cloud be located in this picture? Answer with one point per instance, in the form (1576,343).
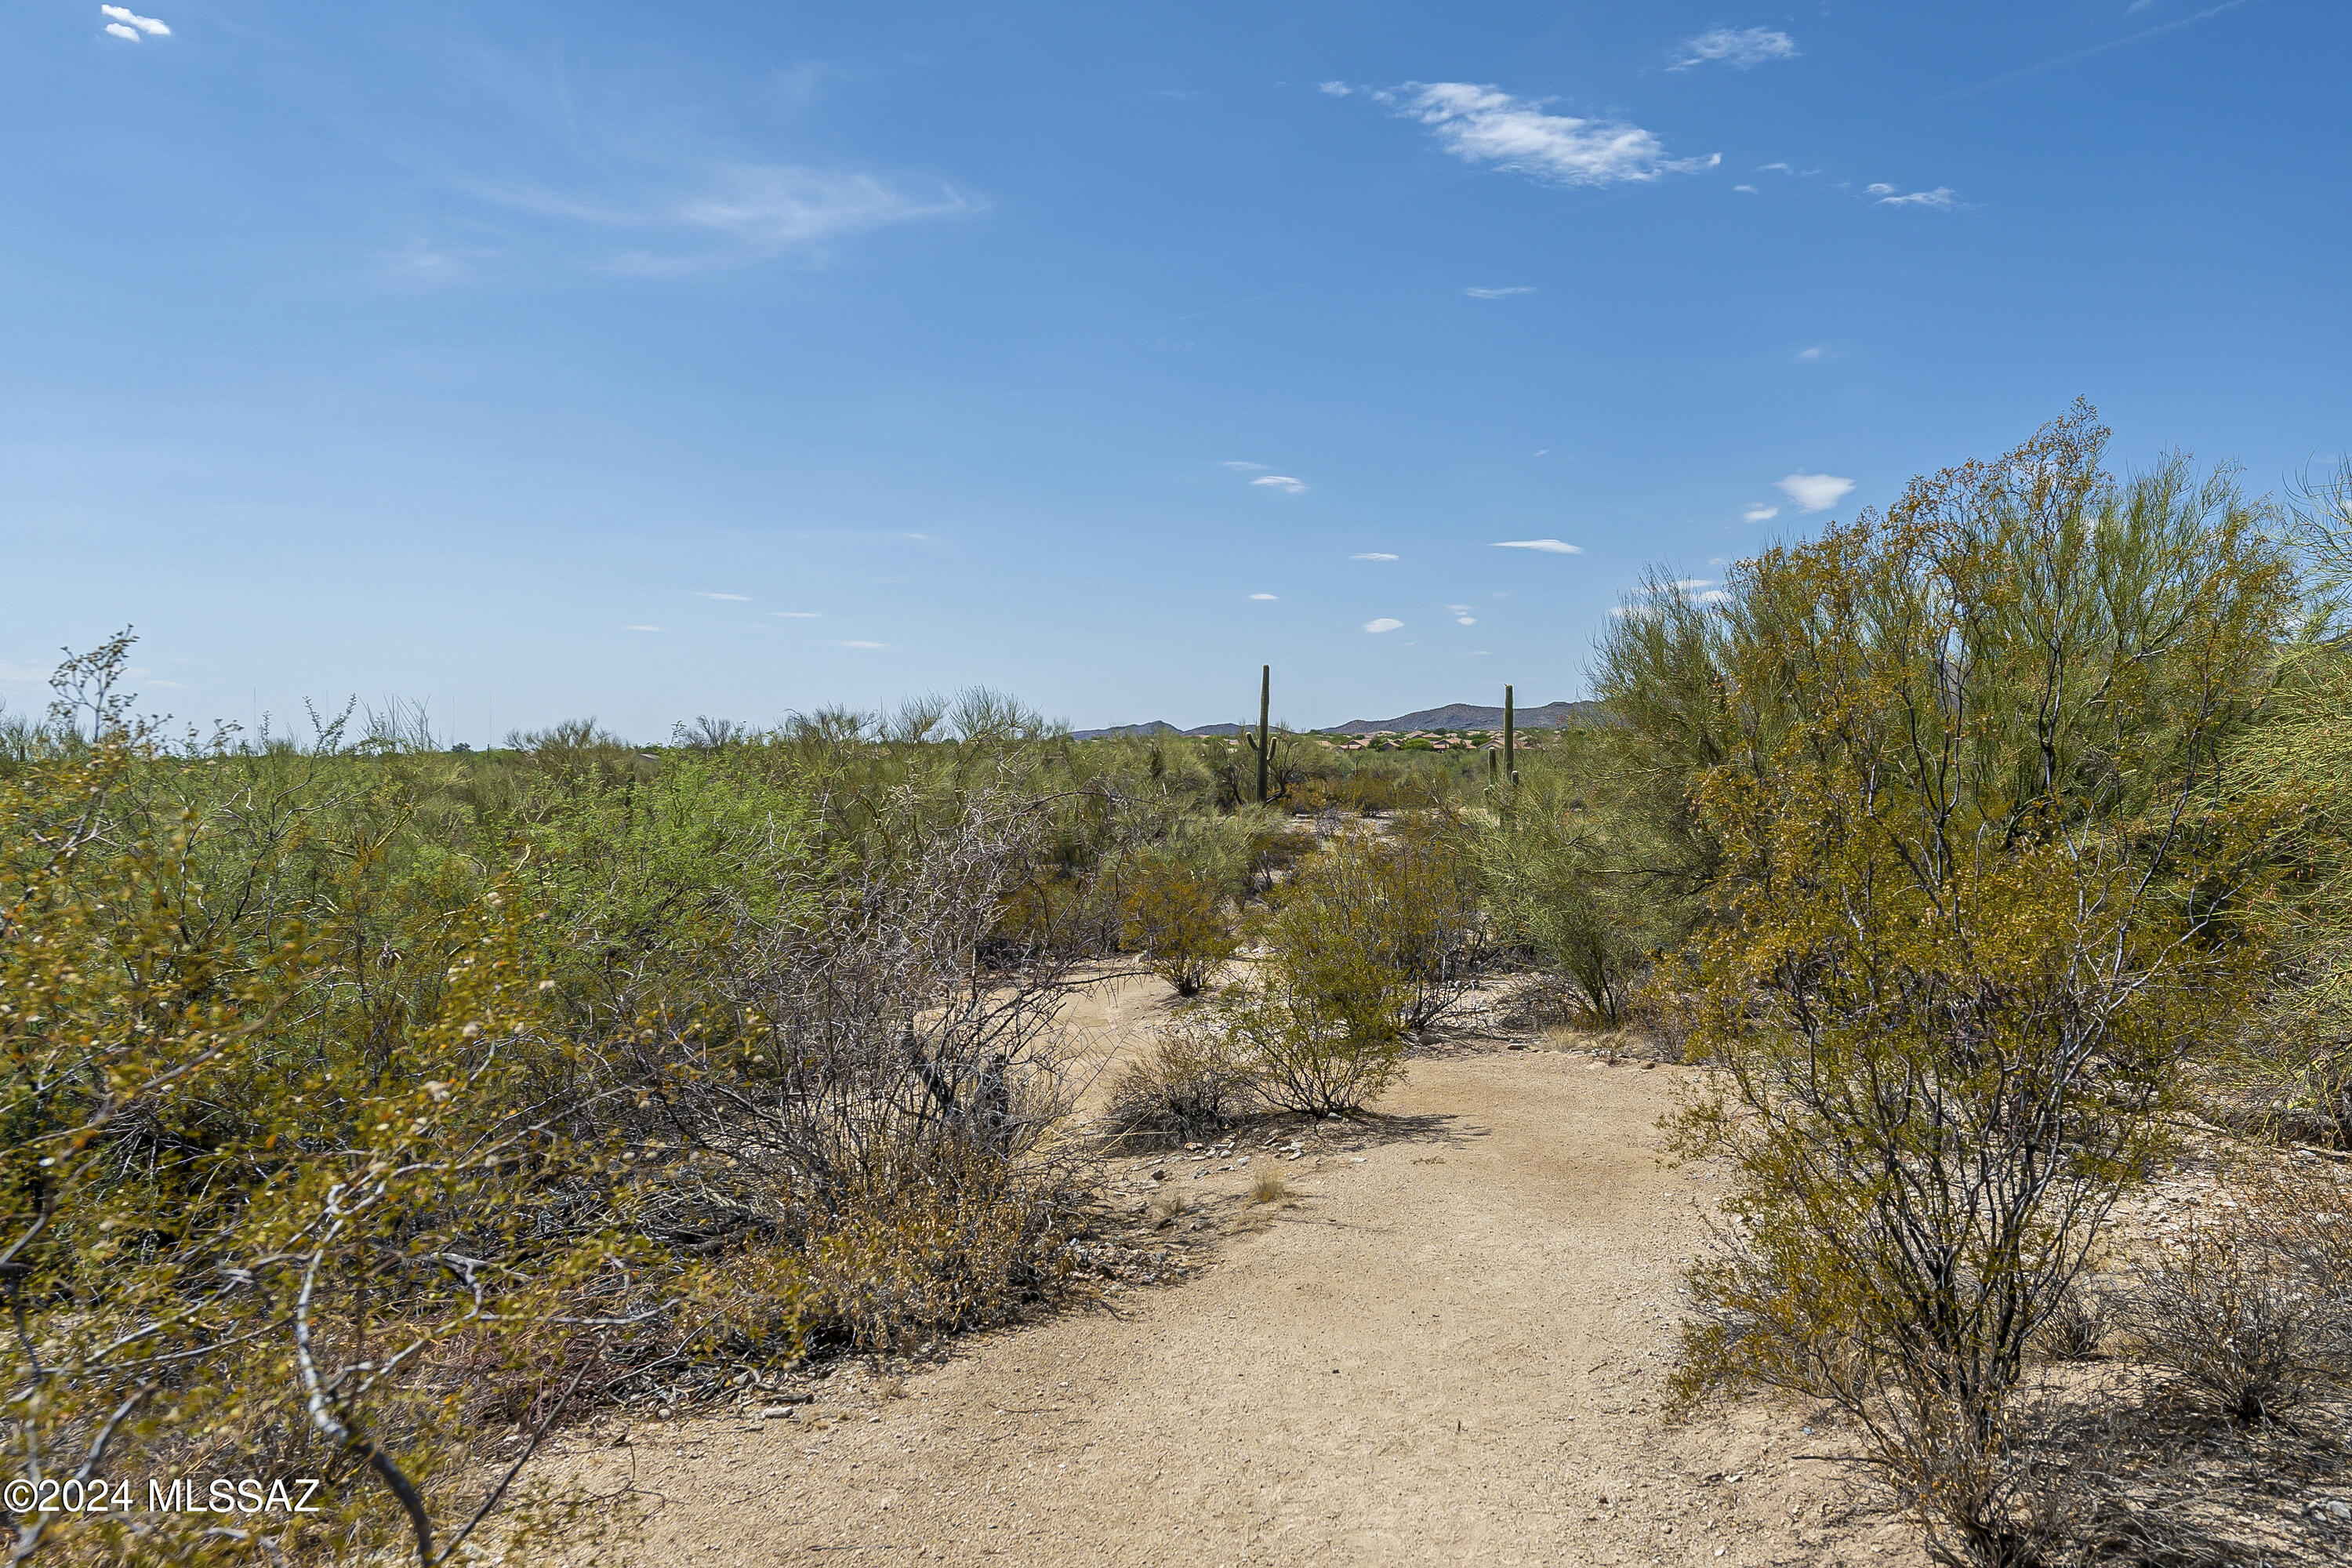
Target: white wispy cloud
(737,214)
(1483,124)
(134,23)
(1336,88)
(1267,597)
(858,643)
(1240,467)
(1892,196)
(1281,482)
(1549,546)
(1784,168)
(2207,13)
(798,614)
(1759,514)
(1383,625)
(1809,353)
(1749,189)
(1738,47)
(1814,492)
(641,628)
(1688,584)
(1373,555)
(1712,596)
(730,598)
(12,673)
(1465,620)
(1500,293)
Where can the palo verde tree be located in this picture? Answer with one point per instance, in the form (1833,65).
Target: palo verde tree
(1982,882)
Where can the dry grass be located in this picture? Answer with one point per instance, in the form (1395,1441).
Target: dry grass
(1268,1187)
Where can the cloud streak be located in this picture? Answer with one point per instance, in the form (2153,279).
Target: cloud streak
(1549,546)
(1383,625)
(1373,555)
(1892,196)
(1500,293)
(1741,48)
(737,214)
(1483,124)
(2161,27)
(1281,482)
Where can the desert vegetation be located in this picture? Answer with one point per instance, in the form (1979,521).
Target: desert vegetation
(372,1108)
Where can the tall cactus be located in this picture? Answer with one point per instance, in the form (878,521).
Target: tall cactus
(1265,742)
(1264,701)
(1510,727)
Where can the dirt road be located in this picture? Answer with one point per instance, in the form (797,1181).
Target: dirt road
(1448,1346)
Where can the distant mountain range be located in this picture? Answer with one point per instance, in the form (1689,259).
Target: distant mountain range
(1453,716)
(1470,716)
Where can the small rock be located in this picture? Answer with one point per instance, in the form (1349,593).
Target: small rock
(1647,1065)
(1160,1175)
(778,1413)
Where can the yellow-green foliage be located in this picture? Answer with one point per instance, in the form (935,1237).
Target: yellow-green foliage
(257,1216)
(2301,757)
(1405,901)
(1981,886)
(1177,918)
(1576,870)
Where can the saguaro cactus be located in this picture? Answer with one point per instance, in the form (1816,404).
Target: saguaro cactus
(1264,701)
(1510,738)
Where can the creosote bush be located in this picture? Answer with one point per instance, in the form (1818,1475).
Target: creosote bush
(1176,917)
(1405,903)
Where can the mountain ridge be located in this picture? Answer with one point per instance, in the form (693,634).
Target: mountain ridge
(1452,716)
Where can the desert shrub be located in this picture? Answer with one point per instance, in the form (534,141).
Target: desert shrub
(1405,902)
(266,1189)
(1176,917)
(1319,1022)
(2299,1049)
(1189,1084)
(1568,873)
(1978,886)
(1274,850)
(2239,1321)
(2079,1325)
(876,1067)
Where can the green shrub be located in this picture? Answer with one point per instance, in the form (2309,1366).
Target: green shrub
(1176,917)
(1405,902)
(1979,887)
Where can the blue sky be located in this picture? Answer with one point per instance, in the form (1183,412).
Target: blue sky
(1096,352)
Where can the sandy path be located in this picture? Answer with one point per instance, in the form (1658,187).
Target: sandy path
(1449,1349)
